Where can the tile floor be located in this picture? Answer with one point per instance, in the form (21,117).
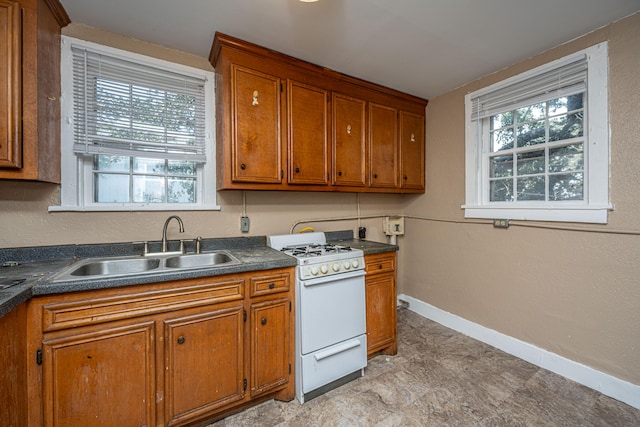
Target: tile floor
(443,378)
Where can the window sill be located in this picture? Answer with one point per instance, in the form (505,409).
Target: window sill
(133,208)
(590,214)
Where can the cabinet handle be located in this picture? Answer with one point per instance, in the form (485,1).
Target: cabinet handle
(297,170)
(243,166)
(180,340)
(272,285)
(380,266)
(413,137)
(255,98)
(264,321)
(349,129)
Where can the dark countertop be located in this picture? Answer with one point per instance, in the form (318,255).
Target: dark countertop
(37,267)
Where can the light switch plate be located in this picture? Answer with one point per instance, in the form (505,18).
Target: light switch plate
(244,224)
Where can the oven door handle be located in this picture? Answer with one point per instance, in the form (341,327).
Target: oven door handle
(333,278)
(336,350)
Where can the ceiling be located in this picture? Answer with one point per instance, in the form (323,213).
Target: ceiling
(423,47)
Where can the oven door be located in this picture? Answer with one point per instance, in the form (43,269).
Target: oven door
(331,310)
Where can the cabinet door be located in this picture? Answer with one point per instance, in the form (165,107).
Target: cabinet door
(348,141)
(256,146)
(203,363)
(270,341)
(308,127)
(10,84)
(381,312)
(383,146)
(411,151)
(100,378)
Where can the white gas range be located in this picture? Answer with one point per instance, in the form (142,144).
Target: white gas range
(331,342)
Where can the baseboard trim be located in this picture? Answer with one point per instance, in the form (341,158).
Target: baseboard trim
(606,384)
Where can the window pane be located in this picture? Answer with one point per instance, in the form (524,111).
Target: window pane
(566,187)
(502,120)
(182,190)
(501,166)
(531,163)
(531,133)
(501,190)
(566,126)
(150,166)
(148,189)
(566,159)
(111,163)
(531,188)
(502,140)
(565,104)
(111,188)
(531,113)
(177,167)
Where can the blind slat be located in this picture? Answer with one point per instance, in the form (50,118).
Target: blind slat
(126,108)
(566,79)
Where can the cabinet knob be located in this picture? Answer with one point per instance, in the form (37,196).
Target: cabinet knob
(380,266)
(405,178)
(264,321)
(349,129)
(375,175)
(340,173)
(243,166)
(254,101)
(180,340)
(272,285)
(297,170)
(413,137)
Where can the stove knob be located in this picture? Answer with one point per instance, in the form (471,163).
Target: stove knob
(336,267)
(346,265)
(355,263)
(324,269)
(314,270)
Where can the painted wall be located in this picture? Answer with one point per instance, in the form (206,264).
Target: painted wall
(574,293)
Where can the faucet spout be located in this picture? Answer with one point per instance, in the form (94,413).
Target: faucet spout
(164,230)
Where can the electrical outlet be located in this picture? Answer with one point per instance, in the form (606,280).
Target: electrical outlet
(501,223)
(393,226)
(244,224)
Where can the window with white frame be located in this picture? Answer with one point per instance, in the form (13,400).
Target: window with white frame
(137,132)
(537,144)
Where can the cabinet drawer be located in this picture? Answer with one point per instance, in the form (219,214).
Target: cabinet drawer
(271,284)
(382,263)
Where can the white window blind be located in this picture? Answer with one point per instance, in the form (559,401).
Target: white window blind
(564,79)
(130,109)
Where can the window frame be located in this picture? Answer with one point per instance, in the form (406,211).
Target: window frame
(76,189)
(595,205)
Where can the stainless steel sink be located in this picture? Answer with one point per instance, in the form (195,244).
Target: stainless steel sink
(199,260)
(112,267)
(117,267)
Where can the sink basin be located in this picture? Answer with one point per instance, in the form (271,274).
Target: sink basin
(199,260)
(114,267)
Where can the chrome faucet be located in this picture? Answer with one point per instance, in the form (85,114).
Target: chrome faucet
(164,230)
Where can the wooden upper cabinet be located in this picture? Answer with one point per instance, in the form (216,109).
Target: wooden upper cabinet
(30,89)
(308,130)
(411,151)
(10,84)
(349,146)
(383,146)
(256,126)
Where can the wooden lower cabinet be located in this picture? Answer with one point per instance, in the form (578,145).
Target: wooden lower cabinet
(380,291)
(166,354)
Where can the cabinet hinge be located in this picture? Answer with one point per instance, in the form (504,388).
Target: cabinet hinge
(39,356)
(244,384)
(244,315)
